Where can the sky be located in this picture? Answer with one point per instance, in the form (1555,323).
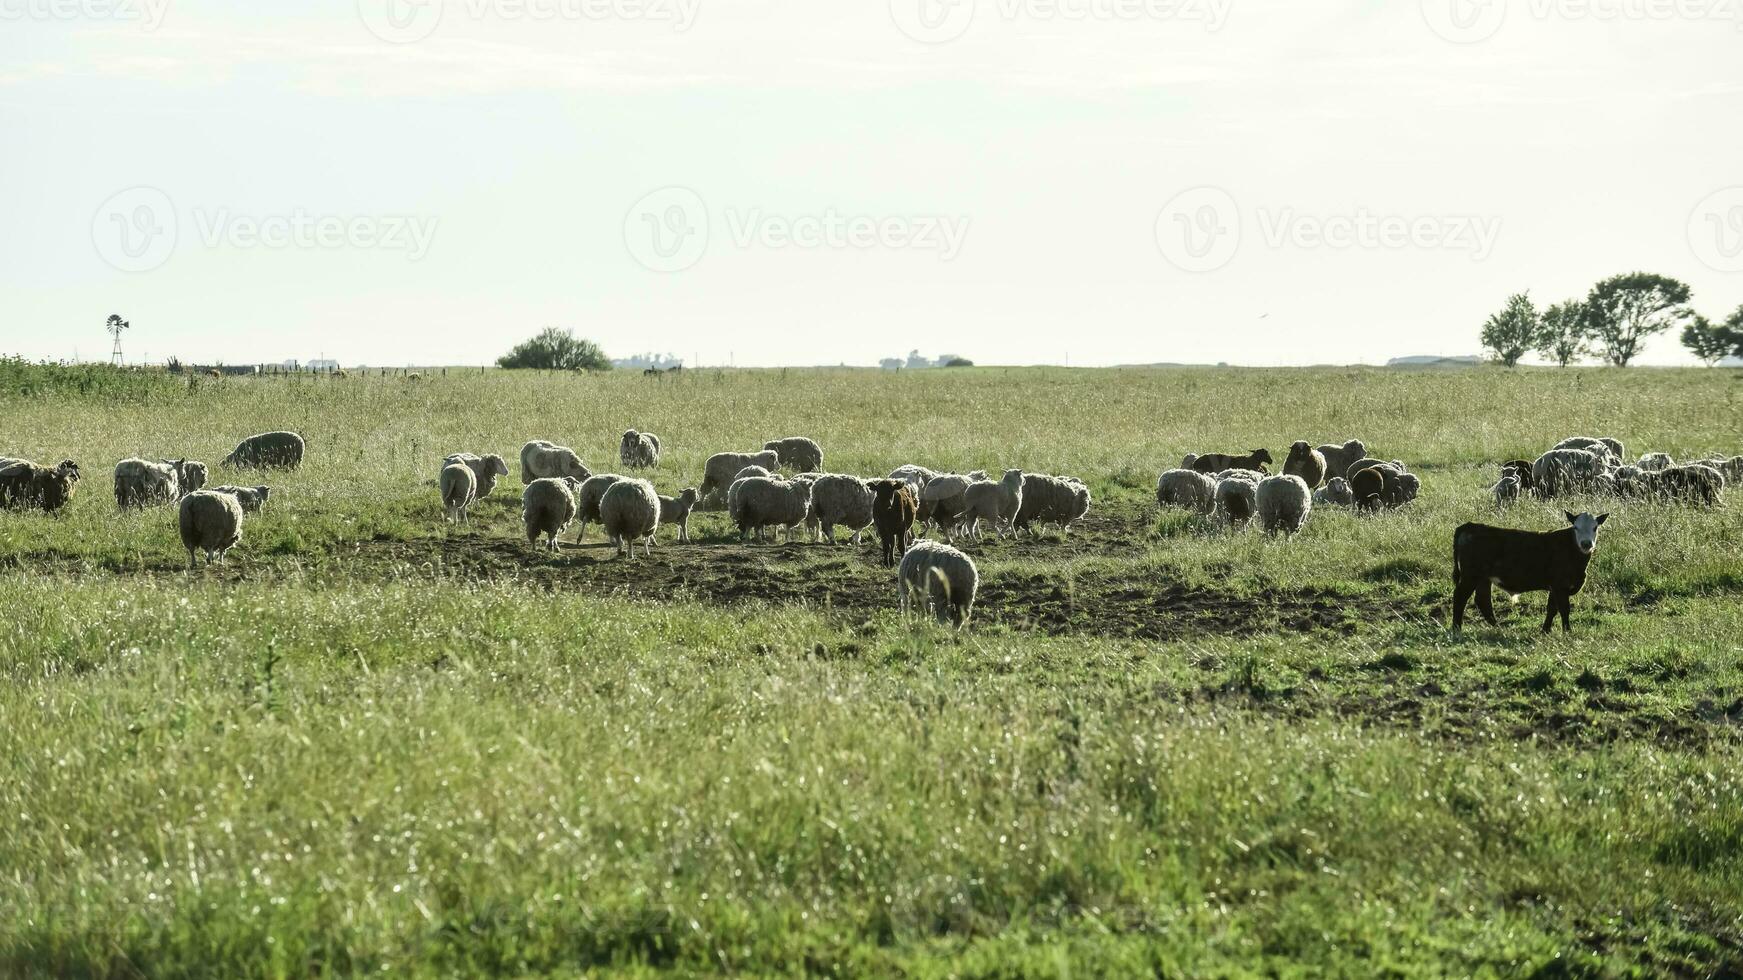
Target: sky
(772,182)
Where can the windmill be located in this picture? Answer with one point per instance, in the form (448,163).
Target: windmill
(115,325)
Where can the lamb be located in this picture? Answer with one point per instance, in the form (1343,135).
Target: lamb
(1693,483)
(943,498)
(25,485)
(1522,561)
(1339,458)
(485,469)
(1306,462)
(676,510)
(913,475)
(459,491)
(722,469)
(540,459)
(840,499)
(1522,471)
(210,522)
(639,450)
(797,453)
(1609,447)
(1186,488)
(1187,461)
(1235,496)
(266,451)
(944,577)
(1217,462)
(630,512)
(588,494)
(1565,470)
(765,501)
(1283,503)
(1507,489)
(997,503)
(252,499)
(141,483)
(1336,491)
(1653,462)
(893,510)
(547,507)
(1051,499)
(1368,488)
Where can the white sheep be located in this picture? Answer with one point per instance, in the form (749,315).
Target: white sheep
(485,469)
(1186,488)
(1283,503)
(749,471)
(1563,470)
(1339,458)
(1051,499)
(676,511)
(764,501)
(944,578)
(837,498)
(587,498)
(539,459)
(1236,495)
(913,475)
(997,503)
(267,449)
(252,499)
(630,512)
(459,491)
(547,507)
(1653,462)
(722,469)
(944,497)
(797,453)
(1336,492)
(140,482)
(639,450)
(1611,448)
(1506,489)
(209,522)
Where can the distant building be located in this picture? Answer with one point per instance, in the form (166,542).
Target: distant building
(1435,361)
(641,362)
(290,365)
(891,364)
(322,364)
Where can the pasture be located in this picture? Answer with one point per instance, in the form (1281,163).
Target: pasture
(374,742)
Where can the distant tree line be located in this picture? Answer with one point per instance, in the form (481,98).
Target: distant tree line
(1613,322)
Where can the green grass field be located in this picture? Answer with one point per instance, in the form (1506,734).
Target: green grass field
(374,743)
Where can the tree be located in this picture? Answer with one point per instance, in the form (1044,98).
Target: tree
(1734,331)
(1627,309)
(1513,332)
(1566,333)
(556,349)
(1707,342)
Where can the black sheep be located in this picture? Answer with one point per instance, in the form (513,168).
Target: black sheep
(1522,561)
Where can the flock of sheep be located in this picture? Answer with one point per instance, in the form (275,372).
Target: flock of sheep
(560,490)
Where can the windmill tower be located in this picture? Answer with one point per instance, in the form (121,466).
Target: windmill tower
(115,325)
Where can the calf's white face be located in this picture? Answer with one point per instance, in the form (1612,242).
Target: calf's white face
(1585,530)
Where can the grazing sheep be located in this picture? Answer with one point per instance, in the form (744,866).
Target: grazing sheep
(1306,462)
(587,497)
(1051,500)
(721,471)
(210,522)
(1522,561)
(547,507)
(913,475)
(192,474)
(485,469)
(840,499)
(1562,471)
(25,485)
(1522,471)
(639,450)
(749,471)
(1217,462)
(797,453)
(1283,503)
(1335,492)
(1187,461)
(1609,447)
(142,483)
(1339,458)
(630,512)
(1368,487)
(943,499)
(758,502)
(676,511)
(459,491)
(1409,485)
(945,578)
(1653,462)
(540,459)
(1507,489)
(252,499)
(1186,488)
(1235,496)
(997,503)
(1732,468)
(1397,466)
(1694,483)
(893,510)
(266,451)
